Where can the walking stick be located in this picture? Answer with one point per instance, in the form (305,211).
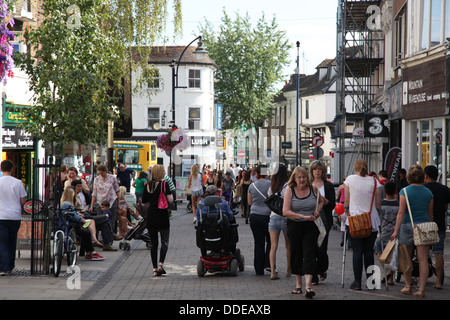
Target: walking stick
(345,250)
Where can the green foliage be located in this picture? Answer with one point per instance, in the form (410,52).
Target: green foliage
(251,61)
(79,63)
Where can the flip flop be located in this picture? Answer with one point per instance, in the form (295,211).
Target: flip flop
(297,291)
(310,293)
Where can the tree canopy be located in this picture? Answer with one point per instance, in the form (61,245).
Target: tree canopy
(251,61)
(80,59)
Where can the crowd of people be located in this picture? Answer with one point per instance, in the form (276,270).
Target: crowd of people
(307,195)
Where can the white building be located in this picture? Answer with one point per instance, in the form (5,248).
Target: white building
(195,109)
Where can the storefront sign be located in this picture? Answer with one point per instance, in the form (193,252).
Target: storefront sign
(201,141)
(375,125)
(16,138)
(424,90)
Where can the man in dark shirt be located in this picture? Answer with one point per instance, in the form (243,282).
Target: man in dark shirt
(124,175)
(441,198)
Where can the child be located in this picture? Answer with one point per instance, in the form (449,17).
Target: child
(388,214)
(105,210)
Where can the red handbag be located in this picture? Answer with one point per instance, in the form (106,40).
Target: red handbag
(162,201)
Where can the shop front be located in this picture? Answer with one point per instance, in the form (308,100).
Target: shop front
(17,144)
(426,120)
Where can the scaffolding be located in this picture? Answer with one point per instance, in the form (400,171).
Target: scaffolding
(359,54)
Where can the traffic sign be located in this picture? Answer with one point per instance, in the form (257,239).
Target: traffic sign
(317,153)
(317,141)
(241,154)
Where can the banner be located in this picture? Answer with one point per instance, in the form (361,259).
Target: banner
(393,162)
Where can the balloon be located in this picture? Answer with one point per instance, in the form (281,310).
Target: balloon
(339,209)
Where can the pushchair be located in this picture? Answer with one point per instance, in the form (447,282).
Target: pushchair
(217,237)
(138,232)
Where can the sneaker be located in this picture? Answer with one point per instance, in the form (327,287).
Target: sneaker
(355,286)
(2,274)
(195,221)
(94,257)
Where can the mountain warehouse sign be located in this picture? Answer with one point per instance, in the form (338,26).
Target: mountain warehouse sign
(424,92)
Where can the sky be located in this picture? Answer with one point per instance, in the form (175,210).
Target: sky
(313,23)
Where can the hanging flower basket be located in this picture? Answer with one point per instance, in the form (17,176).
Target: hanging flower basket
(6,49)
(172,138)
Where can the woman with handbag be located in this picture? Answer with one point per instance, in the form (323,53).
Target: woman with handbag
(278,223)
(259,221)
(318,178)
(362,197)
(302,207)
(158,195)
(419,199)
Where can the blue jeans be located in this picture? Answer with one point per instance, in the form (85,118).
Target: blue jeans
(8,242)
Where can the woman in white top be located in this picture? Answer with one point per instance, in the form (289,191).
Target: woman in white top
(196,185)
(358,197)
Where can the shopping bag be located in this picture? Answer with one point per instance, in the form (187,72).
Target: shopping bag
(322,231)
(387,252)
(393,263)
(404,260)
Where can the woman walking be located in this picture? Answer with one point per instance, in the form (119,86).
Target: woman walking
(196,185)
(359,190)
(421,203)
(246,182)
(157,219)
(259,221)
(277,223)
(302,208)
(318,178)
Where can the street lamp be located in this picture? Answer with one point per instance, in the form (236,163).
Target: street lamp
(297,137)
(200,52)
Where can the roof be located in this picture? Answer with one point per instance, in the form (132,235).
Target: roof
(165,55)
(310,84)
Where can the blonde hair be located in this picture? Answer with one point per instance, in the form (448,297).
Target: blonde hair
(68,195)
(157,173)
(194,171)
(122,192)
(292,182)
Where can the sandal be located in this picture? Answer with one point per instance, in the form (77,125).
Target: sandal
(297,291)
(323,276)
(161,270)
(406,290)
(419,294)
(97,243)
(309,293)
(156,273)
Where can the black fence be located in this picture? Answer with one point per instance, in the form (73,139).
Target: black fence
(46,192)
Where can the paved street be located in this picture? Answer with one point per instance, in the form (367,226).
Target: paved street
(127,275)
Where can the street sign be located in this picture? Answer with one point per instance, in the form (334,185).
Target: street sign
(317,141)
(311,156)
(317,153)
(286,145)
(241,154)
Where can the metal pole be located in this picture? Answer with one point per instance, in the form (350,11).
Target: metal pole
(297,136)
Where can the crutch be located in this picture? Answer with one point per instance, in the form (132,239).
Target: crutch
(345,249)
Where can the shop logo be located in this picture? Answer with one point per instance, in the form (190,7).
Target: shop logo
(374,21)
(74,280)
(74,20)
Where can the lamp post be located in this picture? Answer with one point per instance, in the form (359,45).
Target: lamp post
(297,136)
(200,52)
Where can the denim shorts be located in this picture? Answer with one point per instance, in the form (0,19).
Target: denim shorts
(406,235)
(277,223)
(438,248)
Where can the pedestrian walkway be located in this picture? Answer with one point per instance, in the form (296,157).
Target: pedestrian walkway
(128,275)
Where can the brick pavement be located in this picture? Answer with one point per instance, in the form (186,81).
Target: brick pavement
(127,275)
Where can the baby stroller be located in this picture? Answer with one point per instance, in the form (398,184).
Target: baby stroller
(217,237)
(137,232)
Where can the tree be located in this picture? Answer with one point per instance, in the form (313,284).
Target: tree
(81,60)
(251,61)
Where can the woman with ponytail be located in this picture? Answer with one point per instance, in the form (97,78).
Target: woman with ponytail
(359,189)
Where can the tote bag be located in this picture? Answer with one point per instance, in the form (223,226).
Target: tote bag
(162,200)
(425,233)
(320,225)
(360,225)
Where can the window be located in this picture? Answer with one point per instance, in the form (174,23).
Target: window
(194,79)
(153,118)
(127,156)
(435,20)
(307,109)
(155,83)
(399,40)
(194,118)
